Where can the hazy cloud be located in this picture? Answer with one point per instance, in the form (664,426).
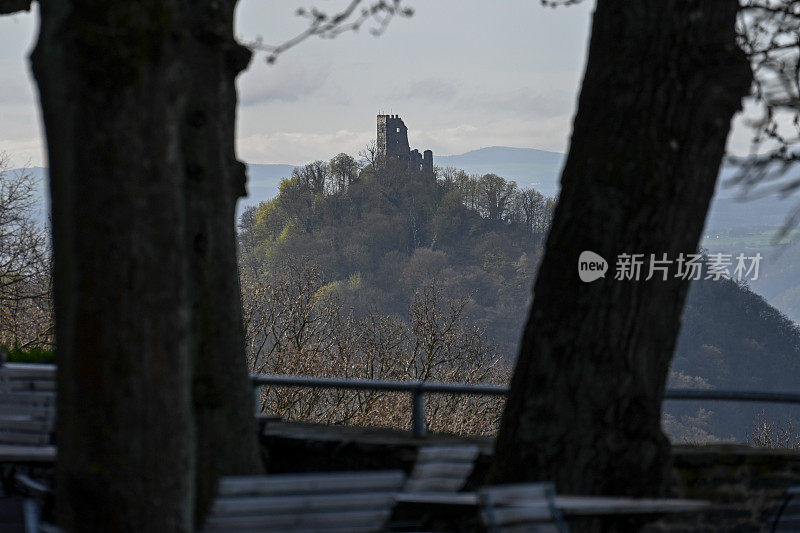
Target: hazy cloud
(296,148)
(26,152)
(17,92)
(281,83)
(530,101)
(546,134)
(433,89)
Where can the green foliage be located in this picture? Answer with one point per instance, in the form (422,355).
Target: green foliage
(379,236)
(30,355)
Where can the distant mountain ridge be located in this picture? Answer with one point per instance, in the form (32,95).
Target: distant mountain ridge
(541,170)
(527,166)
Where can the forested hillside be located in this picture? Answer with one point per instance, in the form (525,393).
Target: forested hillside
(378,237)
(732,339)
(377,247)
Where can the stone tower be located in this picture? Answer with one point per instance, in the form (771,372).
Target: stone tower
(393,144)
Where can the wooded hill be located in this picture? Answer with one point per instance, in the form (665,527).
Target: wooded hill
(379,237)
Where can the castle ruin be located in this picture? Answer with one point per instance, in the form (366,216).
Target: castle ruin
(393,144)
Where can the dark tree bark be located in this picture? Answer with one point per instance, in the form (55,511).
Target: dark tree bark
(110,84)
(138,102)
(223,399)
(662,81)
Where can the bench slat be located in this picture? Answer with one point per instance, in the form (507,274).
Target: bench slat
(334,502)
(18,437)
(521,507)
(530,512)
(49,386)
(25,424)
(27,397)
(434,485)
(530,528)
(519,491)
(367,528)
(440,469)
(302,504)
(287,522)
(11,411)
(447,453)
(286,484)
(27,412)
(27,371)
(27,454)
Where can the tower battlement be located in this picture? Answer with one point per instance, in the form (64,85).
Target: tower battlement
(393,144)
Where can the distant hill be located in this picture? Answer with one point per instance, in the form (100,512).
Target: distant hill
(263,182)
(528,167)
(389,227)
(541,170)
(732,339)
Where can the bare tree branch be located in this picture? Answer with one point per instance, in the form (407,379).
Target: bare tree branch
(769,33)
(329,26)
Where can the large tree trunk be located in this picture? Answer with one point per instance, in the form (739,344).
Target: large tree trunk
(223,399)
(662,81)
(138,101)
(110,84)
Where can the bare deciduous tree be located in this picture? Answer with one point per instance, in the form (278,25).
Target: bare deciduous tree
(295,325)
(369,155)
(25,306)
(767,433)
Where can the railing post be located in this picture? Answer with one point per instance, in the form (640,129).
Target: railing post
(418,424)
(257,400)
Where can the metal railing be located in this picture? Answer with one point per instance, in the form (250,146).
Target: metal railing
(418,390)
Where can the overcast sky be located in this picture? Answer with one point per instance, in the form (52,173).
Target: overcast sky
(463,74)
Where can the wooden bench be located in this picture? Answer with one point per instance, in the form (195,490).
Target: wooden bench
(27,420)
(346,502)
(528,507)
(27,413)
(442,468)
(27,377)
